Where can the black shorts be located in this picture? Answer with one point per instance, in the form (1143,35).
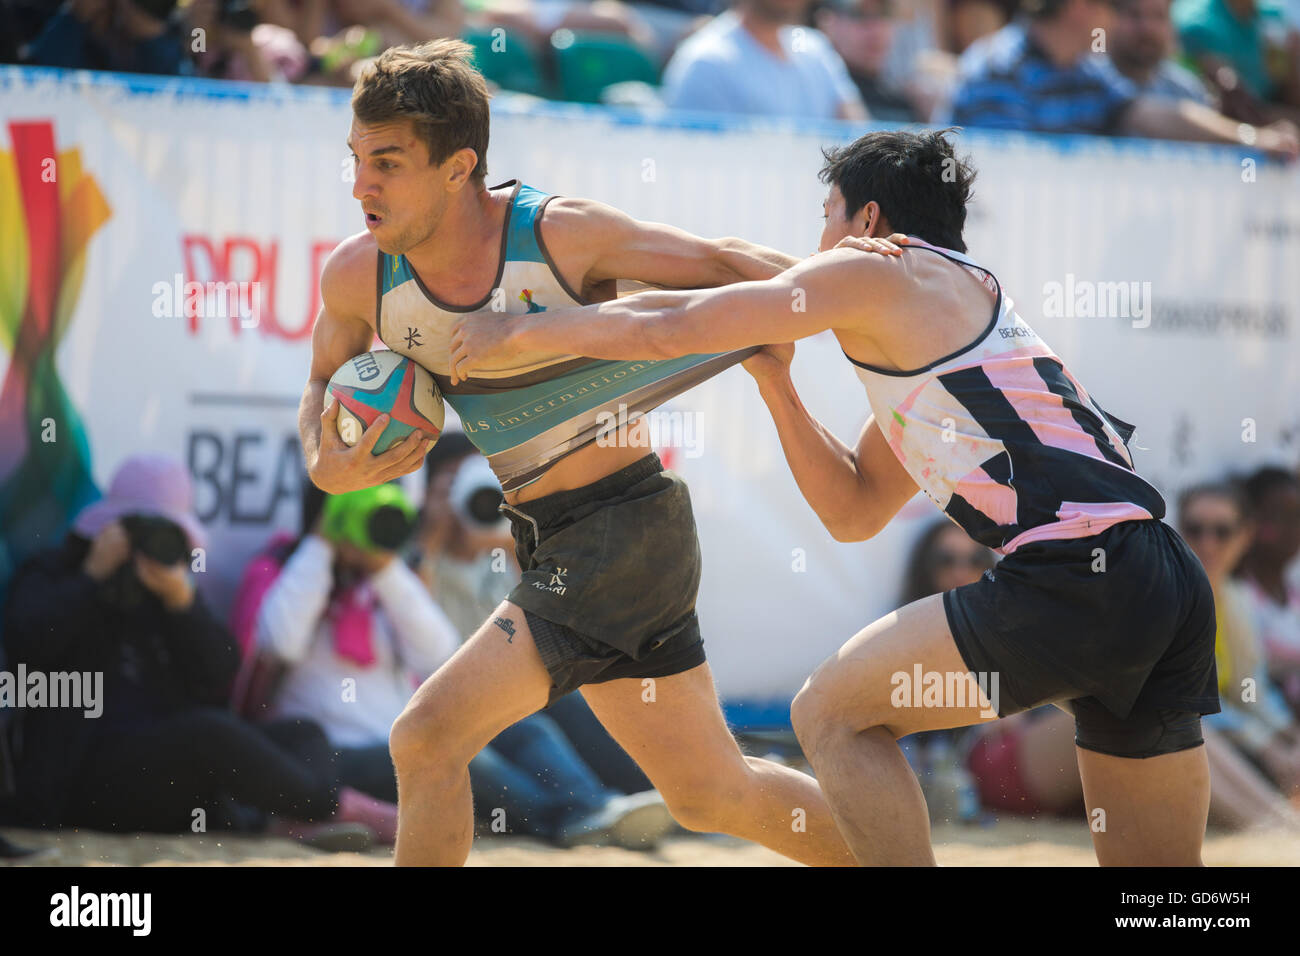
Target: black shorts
(1121,621)
(610,574)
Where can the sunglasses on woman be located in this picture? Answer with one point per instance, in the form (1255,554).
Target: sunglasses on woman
(1220,531)
(947,560)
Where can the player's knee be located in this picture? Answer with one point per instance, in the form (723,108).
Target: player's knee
(815,711)
(827,705)
(419,739)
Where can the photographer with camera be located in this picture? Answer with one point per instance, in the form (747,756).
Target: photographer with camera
(343,632)
(128,36)
(115,608)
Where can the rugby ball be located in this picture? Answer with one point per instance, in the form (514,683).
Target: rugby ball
(383,382)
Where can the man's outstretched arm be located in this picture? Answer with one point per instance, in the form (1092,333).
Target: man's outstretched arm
(597,243)
(826,291)
(854,491)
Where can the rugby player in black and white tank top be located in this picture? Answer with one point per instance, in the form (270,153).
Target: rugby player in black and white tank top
(1097,606)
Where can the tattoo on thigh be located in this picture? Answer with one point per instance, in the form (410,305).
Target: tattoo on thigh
(508,626)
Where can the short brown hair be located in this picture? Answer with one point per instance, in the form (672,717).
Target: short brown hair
(434,85)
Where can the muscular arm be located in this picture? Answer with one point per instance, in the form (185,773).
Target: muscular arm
(837,289)
(341,332)
(598,243)
(854,491)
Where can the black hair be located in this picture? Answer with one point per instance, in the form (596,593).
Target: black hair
(1258,485)
(1042,9)
(1230,491)
(916,178)
(919,578)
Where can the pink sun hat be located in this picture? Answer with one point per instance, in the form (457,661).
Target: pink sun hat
(146,484)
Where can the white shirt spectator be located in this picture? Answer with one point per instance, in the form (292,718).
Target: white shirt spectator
(722,68)
(410,634)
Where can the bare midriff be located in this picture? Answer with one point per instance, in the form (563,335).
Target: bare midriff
(590,463)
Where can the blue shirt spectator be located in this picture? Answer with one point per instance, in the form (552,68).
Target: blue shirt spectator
(1174,82)
(1046,74)
(1009,81)
(724,67)
(1141,42)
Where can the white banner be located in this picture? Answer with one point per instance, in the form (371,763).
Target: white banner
(1164,274)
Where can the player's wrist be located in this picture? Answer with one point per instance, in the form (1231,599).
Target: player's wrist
(518,335)
(776,385)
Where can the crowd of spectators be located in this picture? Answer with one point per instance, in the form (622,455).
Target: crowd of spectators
(276,720)
(1209,70)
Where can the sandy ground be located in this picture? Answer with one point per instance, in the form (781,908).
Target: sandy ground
(1010,842)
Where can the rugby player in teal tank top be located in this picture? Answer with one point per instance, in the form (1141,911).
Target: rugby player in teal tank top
(1097,606)
(605,538)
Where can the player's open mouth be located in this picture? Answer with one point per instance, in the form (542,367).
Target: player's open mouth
(373,219)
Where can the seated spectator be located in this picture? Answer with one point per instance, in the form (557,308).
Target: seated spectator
(944,558)
(538,19)
(237,47)
(927,36)
(352,628)
(558,774)
(164,754)
(1274,496)
(402,21)
(1026,765)
(971,20)
(758,59)
(129,36)
(1245,49)
(1042,75)
(1141,45)
(861,32)
(1214,520)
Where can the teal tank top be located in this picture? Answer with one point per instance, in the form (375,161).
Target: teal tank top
(526,416)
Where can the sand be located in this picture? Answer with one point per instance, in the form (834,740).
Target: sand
(1009,842)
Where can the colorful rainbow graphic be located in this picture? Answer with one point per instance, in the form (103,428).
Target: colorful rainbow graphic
(49,210)
(527,297)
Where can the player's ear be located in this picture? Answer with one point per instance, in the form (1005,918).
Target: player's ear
(869,216)
(460,168)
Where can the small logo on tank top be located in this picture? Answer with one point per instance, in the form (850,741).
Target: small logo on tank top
(412,337)
(527,297)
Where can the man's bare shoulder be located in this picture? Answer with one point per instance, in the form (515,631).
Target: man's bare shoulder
(572,220)
(348,278)
(852,272)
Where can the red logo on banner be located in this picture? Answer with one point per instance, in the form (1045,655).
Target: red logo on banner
(243,259)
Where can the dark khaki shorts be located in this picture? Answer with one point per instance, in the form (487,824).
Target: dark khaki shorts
(610,574)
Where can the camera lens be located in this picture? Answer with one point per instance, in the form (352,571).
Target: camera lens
(388,527)
(483,504)
(156,537)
